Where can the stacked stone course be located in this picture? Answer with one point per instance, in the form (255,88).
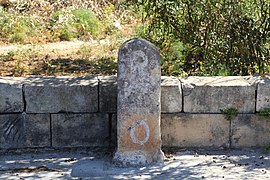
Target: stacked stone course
(58,112)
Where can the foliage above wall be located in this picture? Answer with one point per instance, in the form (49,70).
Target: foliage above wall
(229,37)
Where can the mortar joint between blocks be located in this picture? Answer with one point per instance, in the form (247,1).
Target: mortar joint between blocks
(23,98)
(98,94)
(182,93)
(51,135)
(256,97)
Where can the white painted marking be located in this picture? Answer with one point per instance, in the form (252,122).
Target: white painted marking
(133,135)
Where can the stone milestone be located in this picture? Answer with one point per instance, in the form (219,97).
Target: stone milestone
(138,104)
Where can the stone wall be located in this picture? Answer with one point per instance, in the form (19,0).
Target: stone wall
(58,112)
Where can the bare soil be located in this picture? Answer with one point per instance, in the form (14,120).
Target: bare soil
(54,59)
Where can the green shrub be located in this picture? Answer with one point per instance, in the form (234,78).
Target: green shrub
(264,112)
(79,23)
(219,37)
(230,113)
(34,21)
(85,22)
(17,28)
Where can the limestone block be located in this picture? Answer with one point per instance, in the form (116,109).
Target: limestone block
(61,94)
(250,130)
(263,94)
(80,130)
(24,130)
(171,95)
(138,104)
(211,94)
(194,130)
(11,95)
(107,93)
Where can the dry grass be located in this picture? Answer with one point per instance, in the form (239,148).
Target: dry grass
(89,53)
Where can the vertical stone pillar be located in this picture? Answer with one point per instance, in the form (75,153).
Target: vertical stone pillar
(138,106)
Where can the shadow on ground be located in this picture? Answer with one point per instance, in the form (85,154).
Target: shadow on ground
(235,164)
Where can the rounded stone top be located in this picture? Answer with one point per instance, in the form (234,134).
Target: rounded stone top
(136,44)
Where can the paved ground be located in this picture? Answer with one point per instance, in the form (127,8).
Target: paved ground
(181,164)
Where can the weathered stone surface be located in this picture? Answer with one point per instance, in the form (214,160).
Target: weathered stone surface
(11,95)
(138,107)
(211,94)
(24,130)
(171,95)
(194,130)
(250,130)
(61,94)
(263,95)
(80,130)
(107,93)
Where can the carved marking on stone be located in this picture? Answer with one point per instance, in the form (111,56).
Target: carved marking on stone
(133,135)
(12,129)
